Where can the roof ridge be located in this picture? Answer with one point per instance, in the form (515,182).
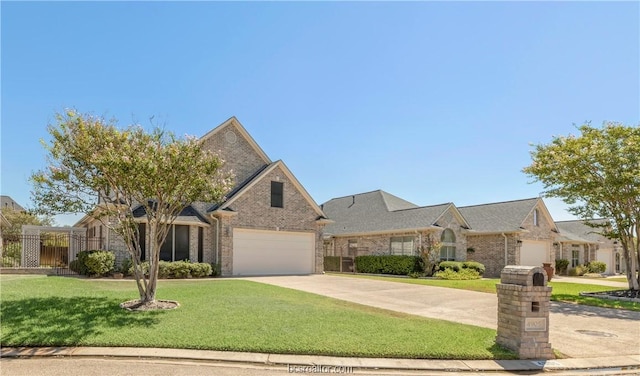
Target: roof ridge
(424,207)
(356,194)
(583,220)
(499,202)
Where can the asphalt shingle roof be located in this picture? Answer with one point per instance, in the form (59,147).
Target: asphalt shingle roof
(578,231)
(378,211)
(500,216)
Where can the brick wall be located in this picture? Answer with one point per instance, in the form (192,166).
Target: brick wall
(239,156)
(489,250)
(253,210)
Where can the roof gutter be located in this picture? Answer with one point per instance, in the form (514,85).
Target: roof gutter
(386,232)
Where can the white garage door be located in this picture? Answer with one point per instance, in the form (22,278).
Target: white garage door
(272,252)
(534,253)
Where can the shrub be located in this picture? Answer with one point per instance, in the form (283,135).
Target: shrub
(100,263)
(76,266)
(180,269)
(577,271)
(478,267)
(201,270)
(125,266)
(561,266)
(597,267)
(388,264)
(463,274)
(332,263)
(215,270)
(453,265)
(415,275)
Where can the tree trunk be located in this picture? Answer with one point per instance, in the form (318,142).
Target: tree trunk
(154,258)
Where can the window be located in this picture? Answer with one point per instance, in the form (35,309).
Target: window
(277,200)
(176,245)
(535,217)
(575,258)
(448,247)
(402,245)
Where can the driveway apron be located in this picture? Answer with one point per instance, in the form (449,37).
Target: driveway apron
(576,331)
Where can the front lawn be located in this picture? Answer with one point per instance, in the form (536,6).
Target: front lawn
(561,292)
(233,315)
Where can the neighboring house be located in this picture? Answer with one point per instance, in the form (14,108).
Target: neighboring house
(267,225)
(581,244)
(519,232)
(6,202)
(378,223)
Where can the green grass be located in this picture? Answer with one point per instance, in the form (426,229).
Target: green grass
(232,315)
(561,292)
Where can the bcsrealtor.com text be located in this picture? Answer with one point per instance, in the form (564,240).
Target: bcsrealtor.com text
(317,368)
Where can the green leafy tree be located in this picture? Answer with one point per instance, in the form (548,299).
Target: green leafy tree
(598,174)
(18,218)
(96,168)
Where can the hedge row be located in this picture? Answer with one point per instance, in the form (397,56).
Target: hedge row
(458,266)
(178,269)
(390,264)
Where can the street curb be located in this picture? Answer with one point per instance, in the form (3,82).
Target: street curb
(624,362)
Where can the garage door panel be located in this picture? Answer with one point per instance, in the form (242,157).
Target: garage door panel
(258,252)
(534,253)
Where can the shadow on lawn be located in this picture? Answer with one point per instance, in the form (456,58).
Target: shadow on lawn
(56,321)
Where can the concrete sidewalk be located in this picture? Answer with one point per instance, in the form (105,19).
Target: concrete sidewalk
(594,365)
(576,331)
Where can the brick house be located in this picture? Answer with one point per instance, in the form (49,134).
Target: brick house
(379,223)
(519,232)
(268,224)
(581,244)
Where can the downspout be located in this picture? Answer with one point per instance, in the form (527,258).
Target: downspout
(217,240)
(506,254)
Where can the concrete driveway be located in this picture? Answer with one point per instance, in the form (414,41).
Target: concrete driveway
(576,331)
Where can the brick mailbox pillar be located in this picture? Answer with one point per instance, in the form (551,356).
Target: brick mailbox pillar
(523,311)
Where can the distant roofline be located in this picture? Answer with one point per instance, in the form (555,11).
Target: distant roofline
(500,202)
(360,194)
(584,220)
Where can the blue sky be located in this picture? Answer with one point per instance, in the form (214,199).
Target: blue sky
(431,101)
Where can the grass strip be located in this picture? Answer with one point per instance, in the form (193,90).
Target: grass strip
(562,291)
(233,315)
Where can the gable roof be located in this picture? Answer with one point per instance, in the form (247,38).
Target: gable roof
(235,123)
(379,212)
(245,186)
(577,231)
(8,202)
(498,217)
(189,216)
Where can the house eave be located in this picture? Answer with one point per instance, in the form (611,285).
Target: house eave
(385,232)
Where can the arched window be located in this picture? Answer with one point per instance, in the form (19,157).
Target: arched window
(448,247)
